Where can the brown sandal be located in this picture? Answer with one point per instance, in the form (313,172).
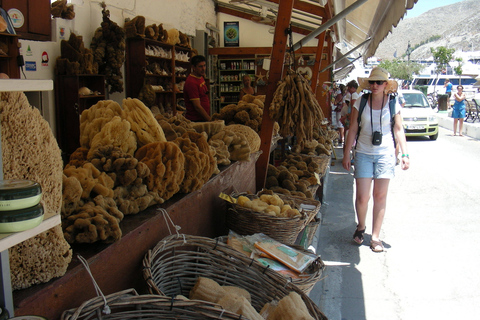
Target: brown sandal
(377,246)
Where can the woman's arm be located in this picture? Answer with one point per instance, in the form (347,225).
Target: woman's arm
(242,93)
(351,136)
(401,140)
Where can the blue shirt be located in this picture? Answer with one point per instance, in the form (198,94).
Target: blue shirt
(449,87)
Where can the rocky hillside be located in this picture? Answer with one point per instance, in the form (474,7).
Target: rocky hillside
(458,26)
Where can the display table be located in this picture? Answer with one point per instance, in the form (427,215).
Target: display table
(118,266)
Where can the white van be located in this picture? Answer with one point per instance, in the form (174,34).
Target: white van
(435,83)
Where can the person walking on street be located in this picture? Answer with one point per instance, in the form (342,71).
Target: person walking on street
(350,99)
(448,91)
(339,101)
(195,92)
(374,151)
(458,113)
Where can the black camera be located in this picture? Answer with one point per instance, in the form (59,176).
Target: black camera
(377,138)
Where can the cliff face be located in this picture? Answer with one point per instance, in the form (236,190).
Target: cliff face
(458,26)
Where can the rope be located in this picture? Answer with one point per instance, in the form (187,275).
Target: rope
(293,64)
(165,216)
(106,308)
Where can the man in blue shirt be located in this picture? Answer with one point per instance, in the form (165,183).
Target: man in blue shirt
(448,91)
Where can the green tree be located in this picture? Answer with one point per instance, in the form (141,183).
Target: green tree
(441,56)
(459,68)
(399,69)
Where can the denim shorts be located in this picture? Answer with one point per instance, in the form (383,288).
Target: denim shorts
(374,166)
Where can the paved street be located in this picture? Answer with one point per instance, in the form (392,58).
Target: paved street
(431,232)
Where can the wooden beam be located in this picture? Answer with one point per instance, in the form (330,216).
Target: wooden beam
(248,51)
(318,60)
(248,16)
(307,7)
(275,74)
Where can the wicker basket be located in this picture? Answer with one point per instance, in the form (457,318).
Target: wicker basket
(305,238)
(128,305)
(174,265)
(313,273)
(245,221)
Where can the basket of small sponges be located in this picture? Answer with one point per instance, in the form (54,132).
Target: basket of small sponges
(208,269)
(129,305)
(279,216)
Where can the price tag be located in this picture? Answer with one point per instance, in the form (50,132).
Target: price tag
(228,198)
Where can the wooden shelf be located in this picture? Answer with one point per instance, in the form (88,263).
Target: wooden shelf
(8,240)
(70,105)
(157,57)
(158,75)
(93,96)
(136,62)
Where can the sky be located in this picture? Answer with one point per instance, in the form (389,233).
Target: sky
(424,5)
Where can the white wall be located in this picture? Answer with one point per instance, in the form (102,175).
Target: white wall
(254,34)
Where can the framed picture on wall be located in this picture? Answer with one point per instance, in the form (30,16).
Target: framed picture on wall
(231,34)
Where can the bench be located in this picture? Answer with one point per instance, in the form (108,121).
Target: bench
(472,110)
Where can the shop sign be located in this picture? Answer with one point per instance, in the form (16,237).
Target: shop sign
(17,17)
(231,34)
(30,66)
(45,59)
(29,51)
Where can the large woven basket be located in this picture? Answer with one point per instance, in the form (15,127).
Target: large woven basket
(128,305)
(245,221)
(173,266)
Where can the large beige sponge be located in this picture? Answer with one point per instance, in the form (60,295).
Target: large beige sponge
(252,137)
(30,151)
(143,122)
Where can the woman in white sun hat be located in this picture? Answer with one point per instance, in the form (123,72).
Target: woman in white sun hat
(375,150)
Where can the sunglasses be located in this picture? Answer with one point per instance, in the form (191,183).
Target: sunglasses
(378,82)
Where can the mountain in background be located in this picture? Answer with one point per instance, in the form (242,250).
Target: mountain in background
(454,26)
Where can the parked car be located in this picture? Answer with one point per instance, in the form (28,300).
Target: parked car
(418,117)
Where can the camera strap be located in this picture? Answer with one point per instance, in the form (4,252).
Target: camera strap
(371,113)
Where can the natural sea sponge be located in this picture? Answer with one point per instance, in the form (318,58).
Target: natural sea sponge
(222,156)
(210,128)
(143,122)
(78,157)
(93,181)
(252,137)
(115,133)
(30,151)
(94,118)
(97,220)
(173,37)
(39,259)
(167,167)
(199,162)
(238,146)
(130,191)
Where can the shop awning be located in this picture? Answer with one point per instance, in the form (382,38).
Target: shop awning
(373,19)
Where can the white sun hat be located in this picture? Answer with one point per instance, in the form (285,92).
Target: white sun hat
(378,74)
